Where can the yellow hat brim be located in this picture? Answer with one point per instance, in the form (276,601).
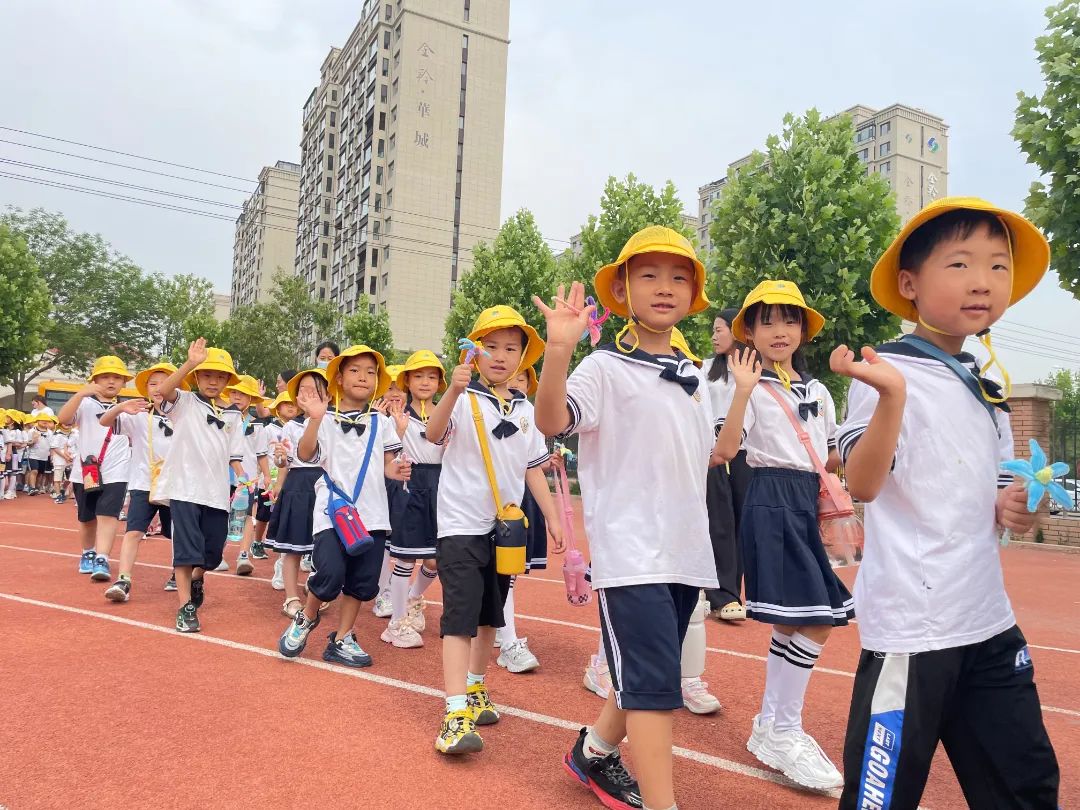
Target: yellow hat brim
(144,376)
(242,388)
(294,382)
(402,378)
(606,275)
(209,366)
(815,321)
(332,370)
(120,372)
(534,347)
(1030,252)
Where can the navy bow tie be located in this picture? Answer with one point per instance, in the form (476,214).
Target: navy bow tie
(807,408)
(688,383)
(165,427)
(213,420)
(359,427)
(249,430)
(503,429)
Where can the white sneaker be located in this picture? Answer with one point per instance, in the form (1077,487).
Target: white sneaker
(416,614)
(597,677)
(758,732)
(800,758)
(277,582)
(517,657)
(384,606)
(222,566)
(696,697)
(305,563)
(402,634)
(244,565)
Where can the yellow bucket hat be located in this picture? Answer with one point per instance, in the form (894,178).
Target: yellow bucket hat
(678,341)
(654,239)
(43,417)
(504,317)
(280,399)
(1030,252)
(381,387)
(394,372)
(143,377)
(110,364)
(216,360)
(534,381)
(778,292)
(419,360)
(294,382)
(248,385)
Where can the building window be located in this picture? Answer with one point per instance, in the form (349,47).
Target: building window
(465,41)
(333,95)
(375,232)
(885,128)
(385,66)
(378,203)
(395,88)
(397,32)
(388,224)
(329,184)
(382,122)
(382,91)
(389,11)
(390,199)
(371,285)
(393,114)
(884,149)
(330,141)
(382,148)
(322,269)
(466,10)
(461,122)
(885,167)
(386,39)
(329,161)
(385,253)
(325,252)
(390,170)
(393,141)
(385,282)
(325,229)
(333,118)
(378,175)
(864,154)
(322,293)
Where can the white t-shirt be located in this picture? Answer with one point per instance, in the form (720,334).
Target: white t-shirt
(46,410)
(114,467)
(465,504)
(768,437)
(138,427)
(57,443)
(415,442)
(255,447)
(931,577)
(39,450)
(643,459)
(291,432)
(341,455)
(197,469)
(721,392)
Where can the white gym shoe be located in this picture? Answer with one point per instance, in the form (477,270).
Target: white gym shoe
(222,566)
(277,582)
(383,607)
(305,563)
(696,697)
(244,565)
(416,614)
(757,736)
(517,657)
(800,758)
(402,634)
(597,677)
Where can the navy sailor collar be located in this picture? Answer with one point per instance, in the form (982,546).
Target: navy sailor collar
(966,359)
(675,367)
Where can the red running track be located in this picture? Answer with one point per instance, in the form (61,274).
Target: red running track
(107,706)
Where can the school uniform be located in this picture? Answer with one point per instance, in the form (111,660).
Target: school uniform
(943,658)
(57,443)
(342,445)
(473,591)
(256,446)
(415,518)
(108,500)
(144,430)
(38,452)
(646,432)
(291,520)
(195,477)
(273,429)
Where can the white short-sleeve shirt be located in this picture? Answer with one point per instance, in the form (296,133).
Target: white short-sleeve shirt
(341,454)
(466,505)
(721,392)
(114,467)
(768,435)
(57,443)
(931,576)
(197,469)
(643,458)
(291,433)
(142,429)
(415,442)
(39,450)
(256,446)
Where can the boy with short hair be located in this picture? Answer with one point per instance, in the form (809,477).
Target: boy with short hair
(99,509)
(643,414)
(474,593)
(943,658)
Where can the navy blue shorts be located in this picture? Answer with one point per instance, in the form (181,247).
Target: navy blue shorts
(104,502)
(474,592)
(339,573)
(198,534)
(643,628)
(141,513)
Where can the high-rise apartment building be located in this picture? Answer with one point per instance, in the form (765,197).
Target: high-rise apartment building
(265,240)
(907,146)
(402,159)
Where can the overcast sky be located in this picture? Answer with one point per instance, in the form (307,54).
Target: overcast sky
(665,90)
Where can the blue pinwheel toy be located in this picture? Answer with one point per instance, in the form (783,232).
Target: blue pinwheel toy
(1038,478)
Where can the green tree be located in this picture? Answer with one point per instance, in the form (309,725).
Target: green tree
(257,337)
(1048,131)
(99,299)
(305,321)
(180,300)
(362,327)
(807,211)
(509,271)
(25,308)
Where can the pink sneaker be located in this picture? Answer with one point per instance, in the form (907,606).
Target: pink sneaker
(696,697)
(402,634)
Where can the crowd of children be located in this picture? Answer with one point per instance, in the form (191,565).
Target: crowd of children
(697,486)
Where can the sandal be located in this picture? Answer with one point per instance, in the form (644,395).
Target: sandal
(291,613)
(731,612)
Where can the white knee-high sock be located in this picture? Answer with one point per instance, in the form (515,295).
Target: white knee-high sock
(778,648)
(422,582)
(387,569)
(798,664)
(399,587)
(508,633)
(693,645)
(601,653)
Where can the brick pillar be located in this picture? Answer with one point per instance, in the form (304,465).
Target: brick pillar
(1030,405)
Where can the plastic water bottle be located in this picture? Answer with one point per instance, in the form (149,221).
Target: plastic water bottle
(240,503)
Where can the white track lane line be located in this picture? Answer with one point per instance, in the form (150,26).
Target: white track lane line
(512,711)
(543,619)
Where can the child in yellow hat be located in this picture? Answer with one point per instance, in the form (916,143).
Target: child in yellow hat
(60,458)
(150,433)
(37,451)
(474,591)
(391,405)
(643,415)
(942,655)
(244,394)
(207,441)
(99,508)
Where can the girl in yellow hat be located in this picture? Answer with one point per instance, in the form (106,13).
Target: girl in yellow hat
(243,395)
(37,451)
(99,508)
(391,405)
(790,582)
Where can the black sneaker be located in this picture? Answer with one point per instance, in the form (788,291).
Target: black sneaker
(170,585)
(187,619)
(198,593)
(258,551)
(607,777)
(119,591)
